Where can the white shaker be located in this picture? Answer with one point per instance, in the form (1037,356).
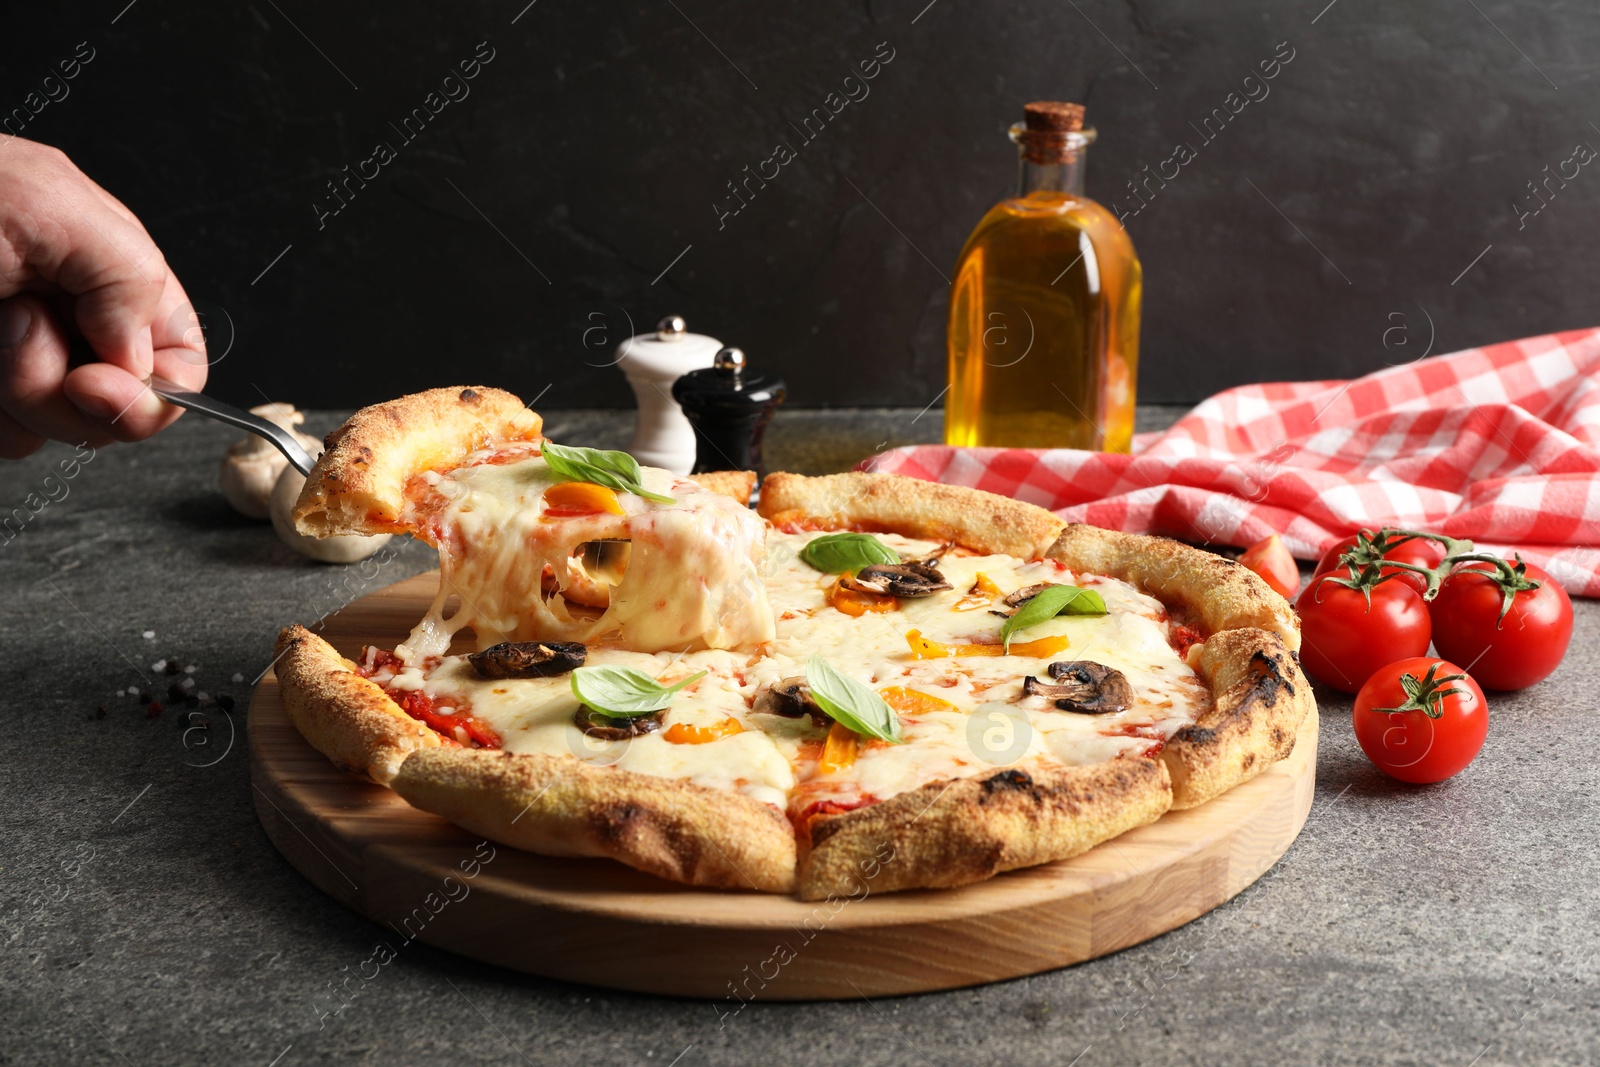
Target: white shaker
(652,362)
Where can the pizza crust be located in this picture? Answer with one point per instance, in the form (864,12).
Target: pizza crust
(1221,594)
(892,503)
(346,717)
(737,484)
(560,806)
(966,830)
(1260,700)
(358,483)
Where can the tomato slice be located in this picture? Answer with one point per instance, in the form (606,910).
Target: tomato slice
(421,707)
(1270,558)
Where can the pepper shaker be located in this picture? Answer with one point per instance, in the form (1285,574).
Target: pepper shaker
(729,406)
(652,362)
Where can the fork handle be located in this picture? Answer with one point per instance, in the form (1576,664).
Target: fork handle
(212,408)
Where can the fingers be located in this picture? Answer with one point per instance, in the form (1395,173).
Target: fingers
(67,236)
(72,235)
(33,369)
(119,404)
(178,339)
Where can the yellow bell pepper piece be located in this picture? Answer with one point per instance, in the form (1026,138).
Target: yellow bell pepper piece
(923,648)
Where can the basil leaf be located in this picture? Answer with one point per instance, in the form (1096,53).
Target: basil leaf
(623,692)
(614,470)
(846,553)
(1052,601)
(848,701)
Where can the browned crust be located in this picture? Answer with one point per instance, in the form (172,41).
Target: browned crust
(358,483)
(894,503)
(956,832)
(558,805)
(1221,594)
(1260,700)
(346,717)
(737,484)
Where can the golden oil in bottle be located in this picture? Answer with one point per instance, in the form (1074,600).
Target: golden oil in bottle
(1044,309)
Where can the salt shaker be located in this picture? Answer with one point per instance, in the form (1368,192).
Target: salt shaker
(652,362)
(729,406)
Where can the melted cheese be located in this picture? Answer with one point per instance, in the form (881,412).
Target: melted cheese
(989,724)
(693,577)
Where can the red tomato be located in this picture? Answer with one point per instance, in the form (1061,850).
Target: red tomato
(1421,720)
(1270,559)
(1367,546)
(1344,640)
(1510,652)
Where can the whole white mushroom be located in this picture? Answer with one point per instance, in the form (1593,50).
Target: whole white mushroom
(345,548)
(251,466)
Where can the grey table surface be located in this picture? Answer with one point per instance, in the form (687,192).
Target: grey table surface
(146,919)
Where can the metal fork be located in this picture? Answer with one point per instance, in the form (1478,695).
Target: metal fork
(212,408)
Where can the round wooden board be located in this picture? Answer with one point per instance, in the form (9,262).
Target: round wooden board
(596,921)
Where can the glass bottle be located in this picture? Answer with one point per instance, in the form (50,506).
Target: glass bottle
(1044,309)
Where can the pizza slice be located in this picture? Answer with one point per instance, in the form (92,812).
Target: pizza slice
(875,678)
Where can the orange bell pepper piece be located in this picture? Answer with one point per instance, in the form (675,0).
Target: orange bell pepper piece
(839,753)
(682,733)
(981,595)
(856,603)
(913,701)
(580,498)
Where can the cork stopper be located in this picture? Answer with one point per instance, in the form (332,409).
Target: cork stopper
(1048,129)
(1053,115)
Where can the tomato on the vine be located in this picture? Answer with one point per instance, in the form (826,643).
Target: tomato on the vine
(1421,720)
(1509,623)
(1270,558)
(1366,547)
(1350,627)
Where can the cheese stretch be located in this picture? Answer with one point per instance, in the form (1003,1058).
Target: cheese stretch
(692,577)
(708,586)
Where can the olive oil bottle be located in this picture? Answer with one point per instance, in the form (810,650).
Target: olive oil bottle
(1044,309)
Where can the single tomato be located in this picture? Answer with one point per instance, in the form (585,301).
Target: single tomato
(1365,546)
(1270,559)
(1349,627)
(1421,719)
(1509,623)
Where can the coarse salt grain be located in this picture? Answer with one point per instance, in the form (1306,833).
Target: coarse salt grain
(159,665)
(149,635)
(237,677)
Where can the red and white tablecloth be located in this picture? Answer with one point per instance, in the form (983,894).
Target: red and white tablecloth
(1500,444)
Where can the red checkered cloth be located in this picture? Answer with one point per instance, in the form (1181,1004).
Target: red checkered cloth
(1498,444)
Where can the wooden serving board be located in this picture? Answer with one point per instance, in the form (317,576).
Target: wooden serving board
(596,921)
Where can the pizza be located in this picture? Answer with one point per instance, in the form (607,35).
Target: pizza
(867,677)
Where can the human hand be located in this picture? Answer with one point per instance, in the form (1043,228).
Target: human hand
(78,269)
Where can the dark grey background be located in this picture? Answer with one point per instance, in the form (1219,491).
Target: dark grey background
(1329,229)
